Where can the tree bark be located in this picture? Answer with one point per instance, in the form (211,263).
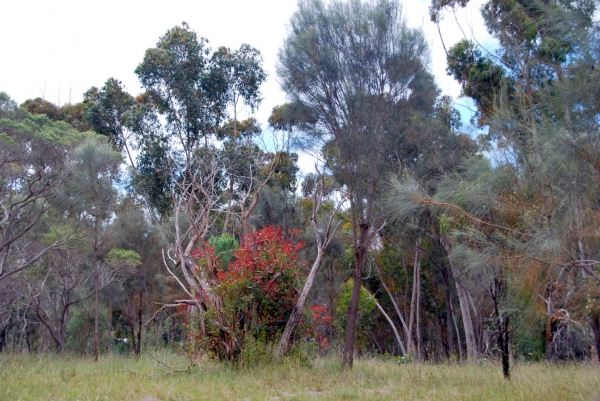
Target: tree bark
(96,285)
(502,328)
(449,316)
(109,315)
(138,349)
(463,299)
(322,245)
(415,304)
(360,256)
(296,314)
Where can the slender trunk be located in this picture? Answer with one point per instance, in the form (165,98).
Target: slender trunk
(138,349)
(109,315)
(322,244)
(296,315)
(124,139)
(387,317)
(414,301)
(418,311)
(230,195)
(503,333)
(478,326)
(96,285)
(449,319)
(503,344)
(3,336)
(360,257)
(398,312)
(390,321)
(463,299)
(131,321)
(549,328)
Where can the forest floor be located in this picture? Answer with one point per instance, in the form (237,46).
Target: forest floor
(51,377)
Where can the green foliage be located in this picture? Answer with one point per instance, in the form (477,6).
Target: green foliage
(224,246)
(72,114)
(185,84)
(119,256)
(481,79)
(88,189)
(80,330)
(110,111)
(366,306)
(33,158)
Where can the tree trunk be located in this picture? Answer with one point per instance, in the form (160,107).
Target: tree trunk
(138,349)
(96,285)
(109,315)
(322,245)
(502,328)
(463,299)
(414,324)
(549,328)
(418,311)
(296,315)
(449,328)
(398,312)
(230,196)
(360,256)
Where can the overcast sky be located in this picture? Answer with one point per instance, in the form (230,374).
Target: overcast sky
(58,49)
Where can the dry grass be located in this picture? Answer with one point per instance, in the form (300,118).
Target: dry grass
(49,377)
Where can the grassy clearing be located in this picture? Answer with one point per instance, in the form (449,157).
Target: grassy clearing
(49,377)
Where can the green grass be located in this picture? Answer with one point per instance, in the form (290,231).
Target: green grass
(51,377)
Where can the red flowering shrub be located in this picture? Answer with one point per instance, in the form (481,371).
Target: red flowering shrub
(257,291)
(259,285)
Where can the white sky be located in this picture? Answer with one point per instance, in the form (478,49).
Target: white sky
(61,48)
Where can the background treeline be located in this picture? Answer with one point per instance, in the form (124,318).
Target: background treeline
(131,222)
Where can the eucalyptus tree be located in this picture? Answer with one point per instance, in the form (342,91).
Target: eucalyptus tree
(111,111)
(243,73)
(186,85)
(361,75)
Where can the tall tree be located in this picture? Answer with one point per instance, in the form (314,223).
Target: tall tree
(33,155)
(243,74)
(90,195)
(361,74)
(188,87)
(110,111)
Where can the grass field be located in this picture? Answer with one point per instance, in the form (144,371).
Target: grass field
(51,377)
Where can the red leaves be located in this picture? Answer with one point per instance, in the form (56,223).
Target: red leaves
(321,314)
(263,257)
(263,274)
(256,291)
(322,319)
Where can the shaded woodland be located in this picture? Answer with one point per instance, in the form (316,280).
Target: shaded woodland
(172,218)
